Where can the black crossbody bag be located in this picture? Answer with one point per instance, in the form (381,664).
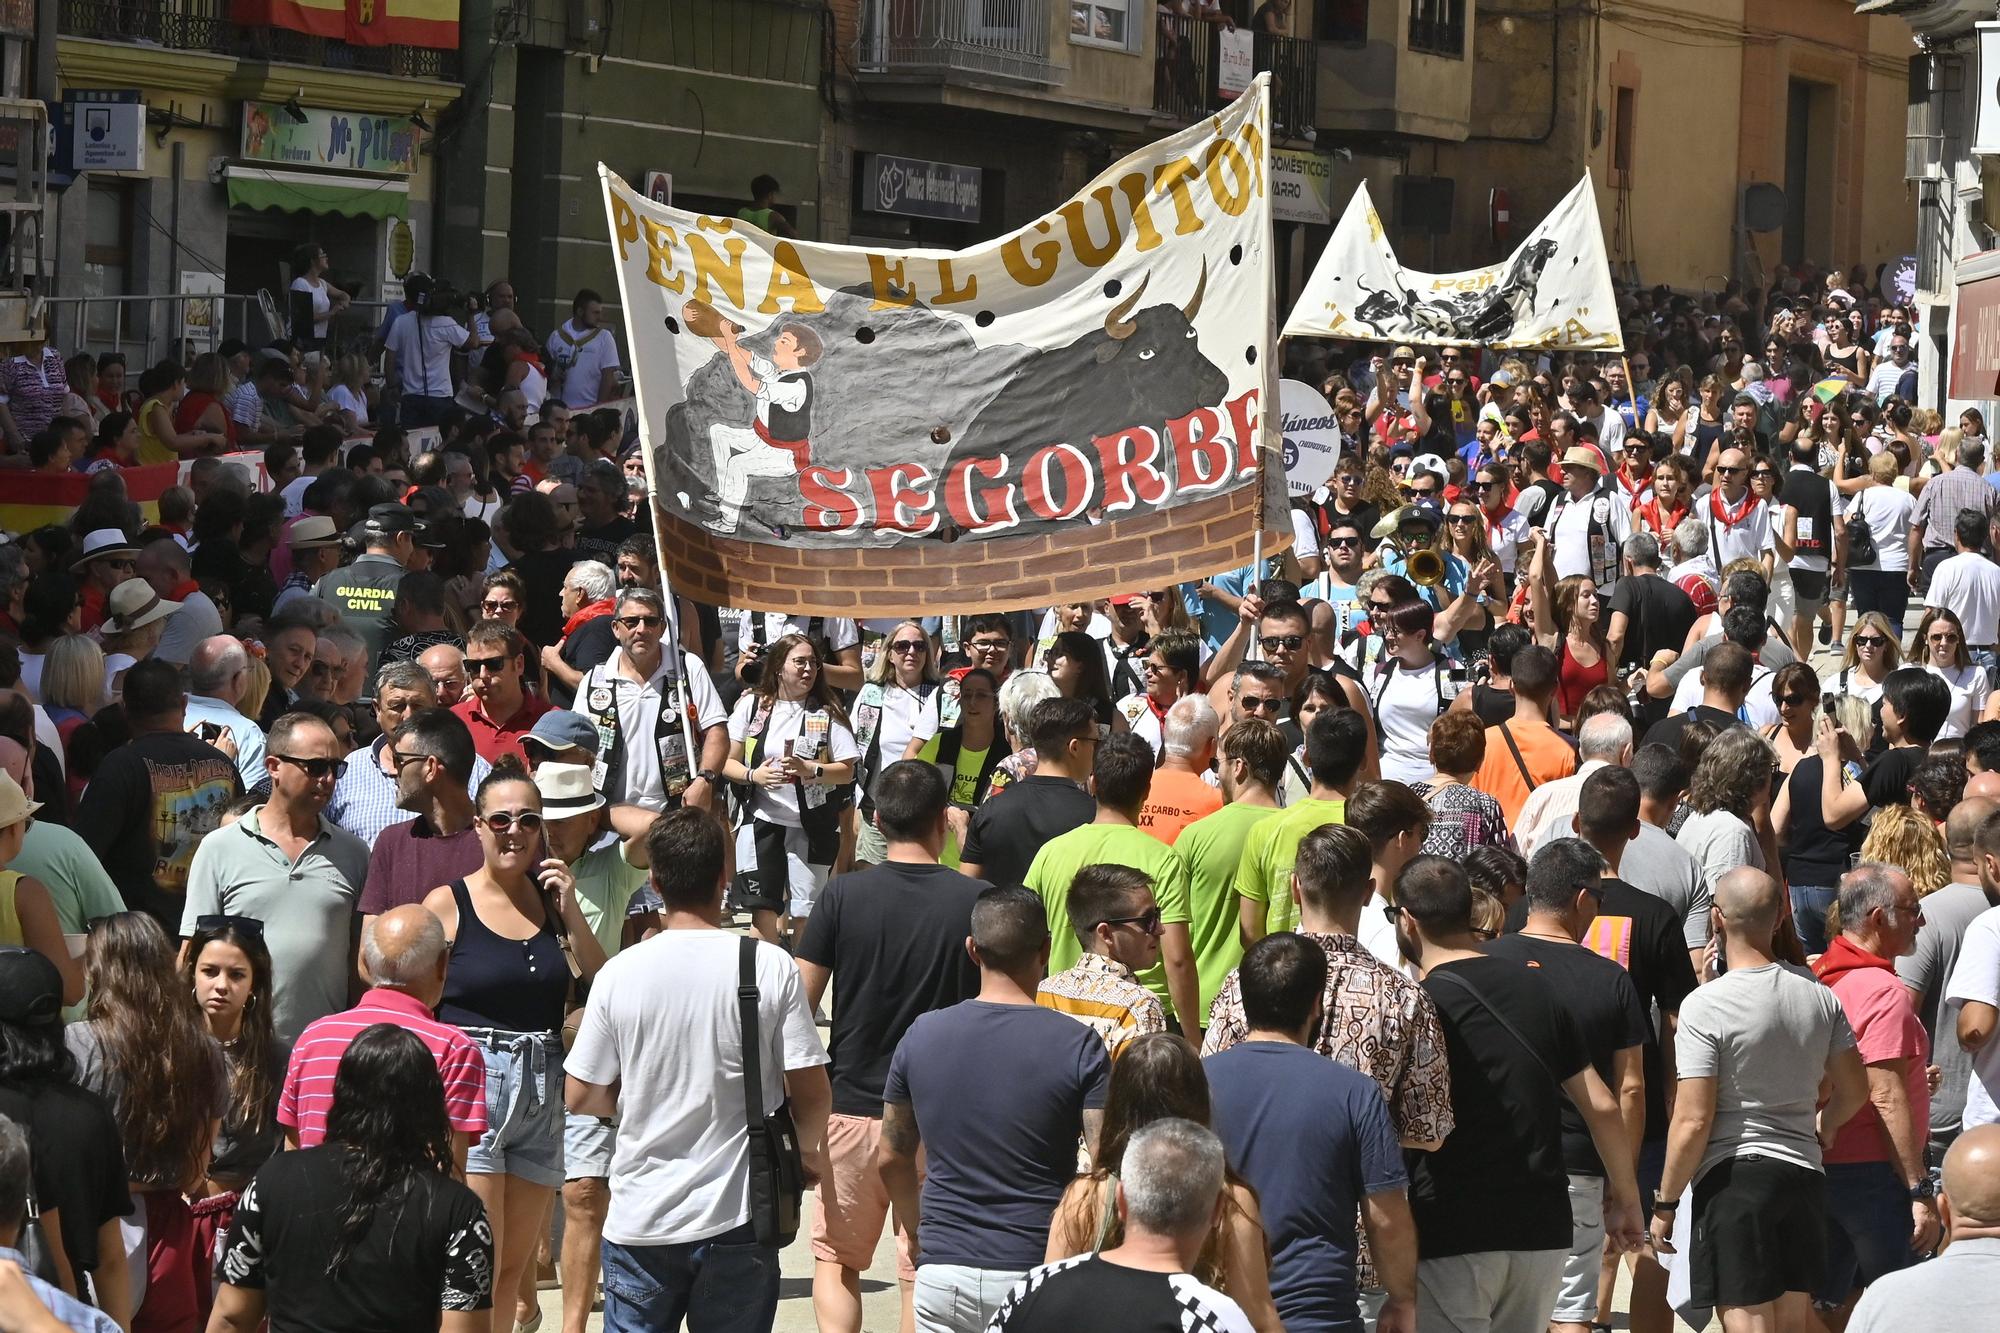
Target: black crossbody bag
(777,1173)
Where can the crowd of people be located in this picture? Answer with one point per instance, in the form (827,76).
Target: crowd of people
(1558,861)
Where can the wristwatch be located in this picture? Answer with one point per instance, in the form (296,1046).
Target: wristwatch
(710,776)
(1924,1190)
(1666,1205)
(819,771)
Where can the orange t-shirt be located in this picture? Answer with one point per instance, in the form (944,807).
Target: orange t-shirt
(1547,756)
(1176,800)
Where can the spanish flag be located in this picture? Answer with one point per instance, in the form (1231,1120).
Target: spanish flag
(432,23)
(37,499)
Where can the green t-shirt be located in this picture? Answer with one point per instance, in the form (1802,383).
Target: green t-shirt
(1211,848)
(605,883)
(1265,873)
(1061,857)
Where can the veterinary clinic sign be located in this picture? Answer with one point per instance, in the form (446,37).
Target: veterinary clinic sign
(334,140)
(916,188)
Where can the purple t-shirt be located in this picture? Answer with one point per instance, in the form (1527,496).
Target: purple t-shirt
(410,859)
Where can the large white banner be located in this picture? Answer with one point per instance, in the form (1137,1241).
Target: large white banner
(1554,291)
(1078,381)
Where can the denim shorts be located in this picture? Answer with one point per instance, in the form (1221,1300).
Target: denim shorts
(1867,1227)
(524,1107)
(587,1141)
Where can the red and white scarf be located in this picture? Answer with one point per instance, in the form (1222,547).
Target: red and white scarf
(1723,514)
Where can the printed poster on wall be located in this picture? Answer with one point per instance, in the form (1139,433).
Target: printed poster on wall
(1235,61)
(1554,291)
(1096,375)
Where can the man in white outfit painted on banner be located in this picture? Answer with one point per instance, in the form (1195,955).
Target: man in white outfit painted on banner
(775,443)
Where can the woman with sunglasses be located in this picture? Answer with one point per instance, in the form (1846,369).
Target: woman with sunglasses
(1872,653)
(1815,856)
(517,930)
(888,713)
(1796,691)
(1700,429)
(1407,688)
(1166,609)
(789,741)
(144,1048)
(1173,670)
(1939,647)
(227,967)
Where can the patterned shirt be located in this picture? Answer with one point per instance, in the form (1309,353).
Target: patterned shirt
(1943,497)
(1074,1292)
(1462,818)
(1101,994)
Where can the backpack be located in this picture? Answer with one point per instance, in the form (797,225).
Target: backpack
(1860,539)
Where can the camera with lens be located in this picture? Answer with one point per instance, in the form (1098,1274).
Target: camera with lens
(431,296)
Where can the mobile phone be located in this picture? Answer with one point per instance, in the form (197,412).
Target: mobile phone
(790,744)
(1826,704)
(209,731)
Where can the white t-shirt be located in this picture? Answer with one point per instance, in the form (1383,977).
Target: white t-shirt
(1749,536)
(1760,708)
(662,1023)
(1406,703)
(1570,529)
(1858,685)
(294,494)
(1506,537)
(1305,541)
(347,400)
(780,804)
(1977,977)
(1969,584)
(1970,687)
(423,352)
(322,303)
(1887,510)
(581,364)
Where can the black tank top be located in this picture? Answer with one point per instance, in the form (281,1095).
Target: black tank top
(495,982)
(1492,706)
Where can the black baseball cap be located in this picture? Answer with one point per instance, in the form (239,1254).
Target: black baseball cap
(387,520)
(30,987)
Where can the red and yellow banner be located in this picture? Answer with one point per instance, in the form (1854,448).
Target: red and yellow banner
(359,22)
(37,499)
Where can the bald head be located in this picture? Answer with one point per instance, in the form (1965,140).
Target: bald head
(1972,1180)
(1985,785)
(405,950)
(1748,901)
(14,762)
(216,668)
(1961,827)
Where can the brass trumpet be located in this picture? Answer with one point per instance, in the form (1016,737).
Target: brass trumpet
(1425,567)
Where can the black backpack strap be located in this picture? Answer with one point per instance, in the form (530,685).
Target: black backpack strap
(1519,762)
(1447,974)
(753,1055)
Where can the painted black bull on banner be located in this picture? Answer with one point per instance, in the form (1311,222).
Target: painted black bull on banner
(1488,314)
(1141,369)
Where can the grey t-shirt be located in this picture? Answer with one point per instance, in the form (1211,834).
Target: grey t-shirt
(1765,1035)
(1947,913)
(96,1073)
(1953,1293)
(1654,863)
(1771,656)
(307,909)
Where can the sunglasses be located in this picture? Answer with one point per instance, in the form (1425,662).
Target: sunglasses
(248,925)
(1380,608)
(316,769)
(478,665)
(640,622)
(1794,700)
(1422,490)
(496,608)
(399,758)
(1729,471)
(1271,643)
(1147,921)
(1869,641)
(1490,485)
(1944,638)
(1343,541)
(1462,520)
(909,646)
(1256,705)
(501,821)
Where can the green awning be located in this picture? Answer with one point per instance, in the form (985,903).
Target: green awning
(317,192)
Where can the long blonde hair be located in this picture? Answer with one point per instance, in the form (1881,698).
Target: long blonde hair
(883,668)
(1878,622)
(1901,837)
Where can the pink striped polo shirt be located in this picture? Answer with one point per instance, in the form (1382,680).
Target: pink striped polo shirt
(308,1093)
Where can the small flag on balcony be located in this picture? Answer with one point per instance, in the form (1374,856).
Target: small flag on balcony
(432,23)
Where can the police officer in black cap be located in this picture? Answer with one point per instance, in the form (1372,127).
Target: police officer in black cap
(365,592)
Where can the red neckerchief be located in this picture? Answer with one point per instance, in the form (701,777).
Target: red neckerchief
(1729,520)
(182,593)
(589,611)
(1159,713)
(1651,509)
(1631,489)
(1842,956)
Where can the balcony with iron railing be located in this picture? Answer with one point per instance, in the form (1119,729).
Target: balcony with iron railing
(982,39)
(204,25)
(1187,58)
